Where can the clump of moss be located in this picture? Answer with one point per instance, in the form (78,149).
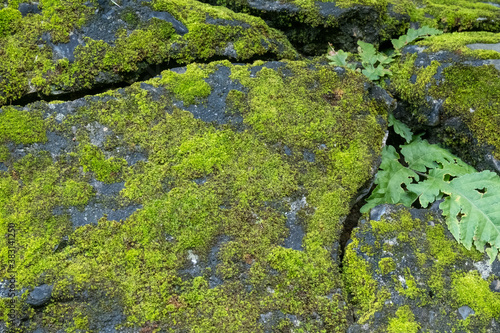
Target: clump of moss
(457,42)
(404,321)
(9,19)
(105,170)
(387,265)
(189,85)
(473,93)
(470,289)
(21,126)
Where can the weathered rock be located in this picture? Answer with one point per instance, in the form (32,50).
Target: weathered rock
(311,25)
(209,198)
(100,43)
(405,272)
(40,295)
(453,93)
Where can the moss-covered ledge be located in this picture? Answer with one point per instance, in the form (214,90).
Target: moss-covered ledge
(452,92)
(406,273)
(213,208)
(58,48)
(310,25)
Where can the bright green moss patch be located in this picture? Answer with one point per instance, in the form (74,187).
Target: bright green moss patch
(105,170)
(427,268)
(412,93)
(457,41)
(21,126)
(9,19)
(203,184)
(187,86)
(4,153)
(27,65)
(367,296)
(471,290)
(386,265)
(404,322)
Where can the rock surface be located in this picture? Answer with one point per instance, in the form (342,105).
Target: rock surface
(209,196)
(161,194)
(64,49)
(406,273)
(452,91)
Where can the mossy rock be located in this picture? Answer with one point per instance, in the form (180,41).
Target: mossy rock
(310,25)
(208,199)
(406,273)
(68,49)
(449,87)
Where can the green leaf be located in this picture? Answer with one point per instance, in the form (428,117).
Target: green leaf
(389,180)
(400,128)
(339,59)
(473,210)
(366,48)
(375,73)
(399,43)
(421,155)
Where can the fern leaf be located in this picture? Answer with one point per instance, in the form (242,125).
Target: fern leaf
(389,182)
(473,210)
(421,155)
(338,58)
(400,128)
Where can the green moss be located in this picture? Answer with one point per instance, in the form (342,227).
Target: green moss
(105,170)
(471,290)
(387,265)
(412,93)
(4,153)
(404,322)
(27,67)
(473,93)
(248,183)
(187,86)
(21,126)
(457,41)
(367,296)
(9,20)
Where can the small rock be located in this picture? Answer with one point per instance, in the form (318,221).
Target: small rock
(465,311)
(40,295)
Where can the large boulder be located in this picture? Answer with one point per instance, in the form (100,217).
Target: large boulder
(449,87)
(58,48)
(406,273)
(210,198)
(310,25)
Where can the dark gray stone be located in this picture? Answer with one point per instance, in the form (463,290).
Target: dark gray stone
(40,295)
(28,8)
(294,239)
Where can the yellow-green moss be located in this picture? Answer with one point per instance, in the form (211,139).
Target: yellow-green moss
(412,93)
(386,265)
(366,294)
(404,322)
(9,20)
(28,68)
(457,41)
(471,290)
(473,93)
(187,86)
(106,170)
(21,126)
(248,181)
